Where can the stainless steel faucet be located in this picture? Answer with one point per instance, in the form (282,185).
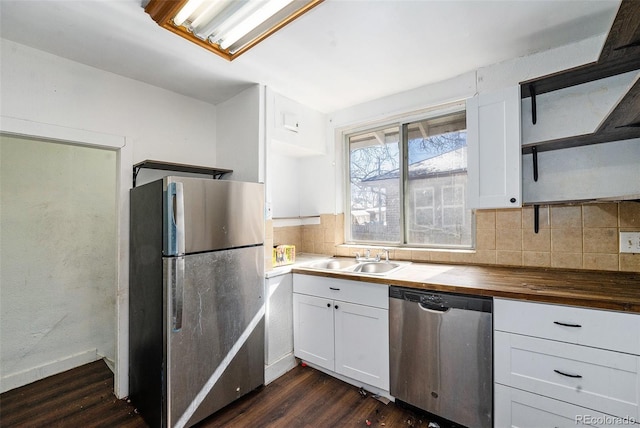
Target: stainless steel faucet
(367,256)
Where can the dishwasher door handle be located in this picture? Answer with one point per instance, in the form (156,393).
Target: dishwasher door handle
(433,308)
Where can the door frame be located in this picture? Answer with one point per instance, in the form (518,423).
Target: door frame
(124,176)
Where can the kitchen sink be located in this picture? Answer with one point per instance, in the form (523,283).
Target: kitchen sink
(376,267)
(361,267)
(334,264)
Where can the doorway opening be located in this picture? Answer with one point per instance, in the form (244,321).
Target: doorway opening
(58,257)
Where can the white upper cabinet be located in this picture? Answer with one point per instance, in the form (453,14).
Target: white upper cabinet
(494,150)
(294,129)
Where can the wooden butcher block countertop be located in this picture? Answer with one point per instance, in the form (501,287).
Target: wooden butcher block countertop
(618,291)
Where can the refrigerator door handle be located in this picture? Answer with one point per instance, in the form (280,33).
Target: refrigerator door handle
(175,276)
(174,220)
(178,207)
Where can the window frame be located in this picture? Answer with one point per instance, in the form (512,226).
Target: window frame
(399,121)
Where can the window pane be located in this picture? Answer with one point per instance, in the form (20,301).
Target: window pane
(424,206)
(374,165)
(437,160)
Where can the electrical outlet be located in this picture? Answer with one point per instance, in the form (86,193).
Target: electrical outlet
(630,242)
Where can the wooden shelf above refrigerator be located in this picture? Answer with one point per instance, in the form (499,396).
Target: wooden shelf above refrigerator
(216,173)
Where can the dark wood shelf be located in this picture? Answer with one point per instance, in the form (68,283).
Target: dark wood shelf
(623,123)
(625,116)
(216,173)
(580,140)
(620,54)
(579,75)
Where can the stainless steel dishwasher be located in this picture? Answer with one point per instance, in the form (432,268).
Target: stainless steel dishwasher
(441,354)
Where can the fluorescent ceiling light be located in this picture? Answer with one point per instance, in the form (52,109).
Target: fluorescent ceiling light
(249,23)
(186,11)
(227,27)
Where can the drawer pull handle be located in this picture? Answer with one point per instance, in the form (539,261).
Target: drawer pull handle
(334,289)
(575,376)
(567,324)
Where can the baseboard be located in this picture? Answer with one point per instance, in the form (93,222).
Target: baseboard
(370,388)
(275,370)
(33,374)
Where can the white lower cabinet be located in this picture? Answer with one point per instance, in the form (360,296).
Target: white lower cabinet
(361,343)
(522,409)
(313,330)
(546,375)
(278,349)
(343,326)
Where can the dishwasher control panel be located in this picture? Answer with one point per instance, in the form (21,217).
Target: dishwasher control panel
(442,301)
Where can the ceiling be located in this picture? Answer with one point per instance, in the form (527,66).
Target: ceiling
(342,53)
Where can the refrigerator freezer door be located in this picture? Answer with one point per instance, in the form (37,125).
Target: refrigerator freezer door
(220,214)
(218,355)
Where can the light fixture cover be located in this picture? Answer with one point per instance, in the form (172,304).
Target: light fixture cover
(226,27)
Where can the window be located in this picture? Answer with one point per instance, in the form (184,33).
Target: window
(407,184)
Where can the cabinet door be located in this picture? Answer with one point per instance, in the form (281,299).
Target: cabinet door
(494,151)
(313,330)
(362,343)
(279,318)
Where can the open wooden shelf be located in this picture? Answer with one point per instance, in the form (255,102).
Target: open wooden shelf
(216,173)
(620,54)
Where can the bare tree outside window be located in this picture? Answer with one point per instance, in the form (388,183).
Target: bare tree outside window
(371,155)
(432,190)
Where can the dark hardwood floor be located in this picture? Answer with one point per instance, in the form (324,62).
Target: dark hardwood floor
(82,397)
(304,397)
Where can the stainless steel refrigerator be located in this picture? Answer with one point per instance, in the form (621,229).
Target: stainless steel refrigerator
(196,297)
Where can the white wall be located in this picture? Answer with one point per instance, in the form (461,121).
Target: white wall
(240,132)
(161,125)
(58,257)
(51,93)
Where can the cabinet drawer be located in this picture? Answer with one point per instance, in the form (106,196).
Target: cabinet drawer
(606,381)
(616,331)
(363,293)
(517,408)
